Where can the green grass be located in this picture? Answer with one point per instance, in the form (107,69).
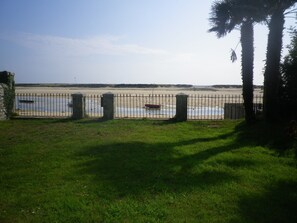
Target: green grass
(145,171)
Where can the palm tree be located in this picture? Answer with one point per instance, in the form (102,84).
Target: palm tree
(276,9)
(227,15)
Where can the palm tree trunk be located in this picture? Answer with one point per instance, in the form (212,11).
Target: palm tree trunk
(272,72)
(247,62)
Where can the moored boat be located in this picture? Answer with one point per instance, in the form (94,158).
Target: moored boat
(26,101)
(152,106)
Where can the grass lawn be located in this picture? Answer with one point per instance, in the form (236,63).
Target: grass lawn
(145,171)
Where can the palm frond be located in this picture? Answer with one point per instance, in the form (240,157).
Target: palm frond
(233,56)
(220,18)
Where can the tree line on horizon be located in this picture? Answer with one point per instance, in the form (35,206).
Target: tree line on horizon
(103,85)
(132,85)
(228,15)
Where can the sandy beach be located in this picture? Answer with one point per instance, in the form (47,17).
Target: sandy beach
(145,91)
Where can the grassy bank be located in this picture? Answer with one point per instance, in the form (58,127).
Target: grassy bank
(145,171)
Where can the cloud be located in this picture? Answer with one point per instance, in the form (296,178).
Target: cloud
(98,45)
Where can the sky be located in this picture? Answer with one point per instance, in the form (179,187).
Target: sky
(121,42)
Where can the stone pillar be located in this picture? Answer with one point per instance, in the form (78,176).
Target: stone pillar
(2,109)
(78,106)
(181,107)
(7,95)
(108,106)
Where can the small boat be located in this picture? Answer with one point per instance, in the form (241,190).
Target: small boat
(152,106)
(26,101)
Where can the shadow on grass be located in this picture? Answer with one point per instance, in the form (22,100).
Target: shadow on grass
(272,136)
(136,168)
(278,204)
(80,121)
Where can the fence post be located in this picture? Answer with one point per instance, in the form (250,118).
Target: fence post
(108,106)
(7,95)
(181,107)
(78,106)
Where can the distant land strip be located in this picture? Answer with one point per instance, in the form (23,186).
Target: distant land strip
(129,85)
(105,85)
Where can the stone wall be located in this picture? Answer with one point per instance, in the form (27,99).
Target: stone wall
(6,79)
(2,113)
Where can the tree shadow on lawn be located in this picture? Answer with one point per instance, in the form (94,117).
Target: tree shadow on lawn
(80,121)
(278,204)
(279,201)
(136,167)
(273,136)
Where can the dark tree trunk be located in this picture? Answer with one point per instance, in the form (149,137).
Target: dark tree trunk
(272,72)
(247,63)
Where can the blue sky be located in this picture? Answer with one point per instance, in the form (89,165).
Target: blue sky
(120,41)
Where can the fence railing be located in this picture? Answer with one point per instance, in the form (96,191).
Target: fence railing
(43,105)
(145,106)
(214,107)
(54,105)
(153,106)
(93,106)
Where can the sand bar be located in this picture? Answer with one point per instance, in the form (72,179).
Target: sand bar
(146,91)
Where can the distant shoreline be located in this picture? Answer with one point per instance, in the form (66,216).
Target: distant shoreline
(130,85)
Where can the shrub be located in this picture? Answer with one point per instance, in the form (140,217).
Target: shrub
(289,80)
